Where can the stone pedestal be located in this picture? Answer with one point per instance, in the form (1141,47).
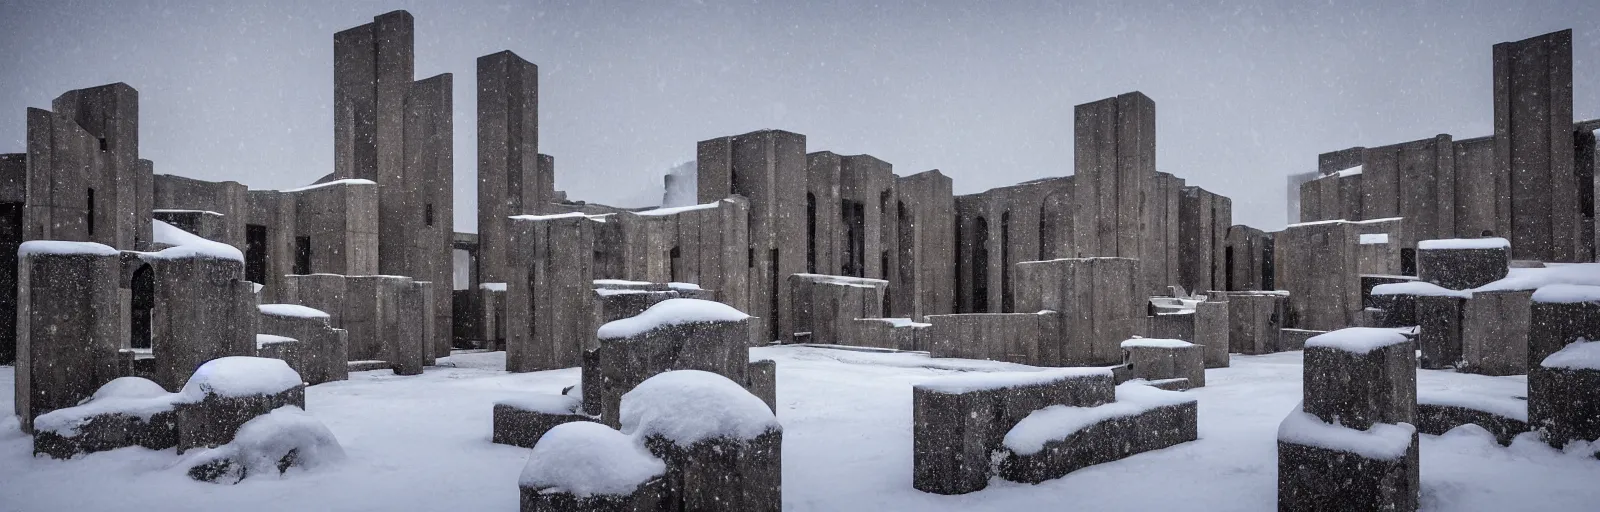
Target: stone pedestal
(1461,269)
(1564,395)
(325,359)
(521,422)
(1494,333)
(1439,331)
(68,326)
(1316,478)
(724,474)
(1560,315)
(1158,360)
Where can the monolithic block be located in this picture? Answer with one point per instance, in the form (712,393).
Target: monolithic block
(724,474)
(67,326)
(617,304)
(1439,330)
(1162,359)
(1255,321)
(762,381)
(623,361)
(213,420)
(1494,333)
(1436,419)
(1099,301)
(1212,329)
(651,495)
(1295,339)
(128,411)
(522,421)
(325,354)
(1360,376)
(1400,309)
(1325,476)
(1104,441)
(1564,394)
(1462,268)
(1559,315)
(826,306)
(409,327)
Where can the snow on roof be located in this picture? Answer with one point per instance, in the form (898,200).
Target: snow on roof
(687,406)
(350,181)
(176,210)
(900,322)
(291,310)
(844,280)
(188,245)
(1058,422)
(1567,293)
(1155,343)
(493,287)
(567,215)
(671,312)
(1464,243)
(1353,171)
(1357,340)
(981,381)
(620,282)
(679,209)
(237,376)
(543,403)
(262,340)
(1419,288)
(1535,278)
(1383,441)
(1374,238)
(64,247)
(133,396)
(1580,355)
(683,286)
(585,459)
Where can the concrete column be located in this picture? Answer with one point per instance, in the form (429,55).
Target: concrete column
(768,167)
(68,329)
(510,180)
(550,300)
(1532,127)
(1115,146)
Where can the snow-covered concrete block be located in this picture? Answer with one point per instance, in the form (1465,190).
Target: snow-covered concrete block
(522,421)
(1160,359)
(1399,309)
(268,444)
(1494,333)
(1024,338)
(825,306)
(67,325)
(1361,376)
(1255,321)
(1323,466)
(1437,418)
(676,334)
(891,333)
(723,446)
(1439,324)
(620,303)
(1560,314)
(325,356)
(585,466)
(1060,439)
(225,393)
(128,411)
(295,353)
(958,422)
(1459,264)
(1564,394)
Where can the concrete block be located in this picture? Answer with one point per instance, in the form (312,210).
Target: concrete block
(1494,333)
(1213,330)
(67,329)
(620,364)
(1295,339)
(1564,395)
(1105,441)
(1460,269)
(213,420)
(1555,321)
(1436,419)
(1157,360)
(1440,324)
(762,381)
(1532,146)
(1098,299)
(1356,389)
(522,421)
(325,357)
(827,306)
(1318,478)
(652,495)
(724,474)
(1255,321)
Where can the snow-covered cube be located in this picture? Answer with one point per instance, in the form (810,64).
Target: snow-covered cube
(1361,376)
(1459,264)
(586,466)
(1564,394)
(676,334)
(1324,466)
(269,444)
(1060,439)
(128,411)
(1494,332)
(1163,359)
(722,445)
(325,355)
(617,304)
(1560,314)
(225,393)
(522,421)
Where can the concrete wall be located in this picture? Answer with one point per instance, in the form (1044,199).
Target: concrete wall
(1099,301)
(204,309)
(1318,266)
(1006,226)
(415,231)
(1204,219)
(1246,256)
(510,180)
(68,332)
(550,299)
(226,198)
(341,220)
(1334,161)
(925,282)
(1532,127)
(106,151)
(1115,146)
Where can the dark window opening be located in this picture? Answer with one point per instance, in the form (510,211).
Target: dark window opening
(91,210)
(1227,267)
(427,214)
(811,233)
(750,258)
(104,146)
(906,286)
(255,253)
(673,257)
(1268,267)
(883,260)
(1408,262)
(11,224)
(962,259)
(854,215)
(980,267)
(772,296)
(142,304)
(302,255)
(1007,300)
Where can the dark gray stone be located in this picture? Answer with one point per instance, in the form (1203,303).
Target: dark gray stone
(1437,419)
(519,426)
(1358,390)
(619,364)
(762,381)
(1439,331)
(620,304)
(214,420)
(1494,333)
(1564,404)
(1162,363)
(1255,321)
(1316,479)
(1105,441)
(67,329)
(721,474)
(1295,339)
(111,431)
(1554,325)
(1460,269)
(650,496)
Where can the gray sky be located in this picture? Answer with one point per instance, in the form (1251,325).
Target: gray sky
(984,92)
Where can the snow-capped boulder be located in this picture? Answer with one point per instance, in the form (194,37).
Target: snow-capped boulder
(270,444)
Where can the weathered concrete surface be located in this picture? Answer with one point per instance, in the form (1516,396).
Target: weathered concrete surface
(825,307)
(1163,363)
(1313,478)
(67,332)
(1002,227)
(1099,303)
(1320,272)
(1358,390)
(227,199)
(1115,146)
(724,474)
(517,424)
(1440,324)
(204,309)
(1106,441)
(1564,404)
(1460,269)
(214,420)
(1024,338)
(617,365)
(1532,146)
(1437,419)
(767,167)
(1494,333)
(1554,325)
(510,181)
(1255,321)
(925,218)
(1295,339)
(652,495)
(1204,219)
(1248,260)
(550,299)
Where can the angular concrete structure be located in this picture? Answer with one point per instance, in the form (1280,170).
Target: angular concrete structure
(768,168)
(510,180)
(925,279)
(1532,146)
(550,298)
(67,334)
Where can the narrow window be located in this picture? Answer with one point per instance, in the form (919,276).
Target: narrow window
(811,233)
(1408,262)
(255,253)
(302,255)
(427,214)
(673,257)
(91,210)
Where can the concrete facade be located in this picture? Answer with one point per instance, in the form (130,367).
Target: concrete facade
(203,310)
(550,299)
(510,180)
(1002,227)
(1319,269)
(1532,134)
(226,198)
(1098,300)
(925,280)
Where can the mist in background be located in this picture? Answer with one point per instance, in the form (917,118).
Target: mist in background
(983,92)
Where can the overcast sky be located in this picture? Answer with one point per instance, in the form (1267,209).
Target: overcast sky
(982,91)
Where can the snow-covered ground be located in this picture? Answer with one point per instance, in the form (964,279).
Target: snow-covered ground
(422,443)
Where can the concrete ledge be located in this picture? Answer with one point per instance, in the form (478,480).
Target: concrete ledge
(516,424)
(1106,441)
(109,432)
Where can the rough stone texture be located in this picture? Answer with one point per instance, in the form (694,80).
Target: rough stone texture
(1533,149)
(1203,221)
(1115,146)
(1554,325)
(761,379)
(1213,326)
(179,199)
(1295,339)
(1000,228)
(1099,304)
(214,420)
(1483,191)
(408,328)
(722,474)
(1440,323)
(325,357)
(108,432)
(339,224)
(1460,269)
(1358,390)
(1312,478)
(1319,271)
(1564,404)
(510,181)
(1494,333)
(204,309)
(767,167)
(523,428)
(1437,419)
(550,299)
(926,279)
(1160,363)
(1399,310)
(1105,441)
(652,495)
(1255,321)
(1248,260)
(67,334)
(1024,338)
(619,304)
(1414,180)
(620,364)
(879,333)
(954,435)
(825,307)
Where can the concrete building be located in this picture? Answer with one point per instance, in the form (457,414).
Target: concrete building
(511,180)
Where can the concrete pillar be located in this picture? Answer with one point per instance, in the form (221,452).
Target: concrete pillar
(1532,130)
(1099,303)
(1320,272)
(509,177)
(1494,333)
(550,300)
(768,167)
(204,309)
(1115,146)
(68,329)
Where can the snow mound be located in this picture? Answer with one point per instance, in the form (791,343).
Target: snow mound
(1357,340)
(269,444)
(188,245)
(1567,293)
(493,287)
(348,181)
(683,286)
(544,403)
(1580,355)
(1418,288)
(671,312)
(291,310)
(1553,273)
(133,396)
(688,406)
(983,381)
(1155,343)
(64,247)
(1505,406)
(239,376)
(585,459)
(1463,243)
(262,340)
(1383,441)
(1058,422)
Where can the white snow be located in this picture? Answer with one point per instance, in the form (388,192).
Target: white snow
(1357,340)
(687,406)
(1155,343)
(981,381)
(1374,238)
(901,322)
(1058,422)
(844,280)
(1353,171)
(1419,288)
(567,215)
(607,292)
(188,245)
(671,312)
(266,439)
(236,376)
(493,287)
(683,286)
(133,396)
(679,209)
(585,459)
(262,340)
(545,403)
(1464,243)
(1579,355)
(1383,441)
(1567,293)
(291,310)
(1503,405)
(1552,273)
(620,282)
(349,181)
(177,210)
(64,247)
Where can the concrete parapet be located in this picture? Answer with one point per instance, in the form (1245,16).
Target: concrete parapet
(1494,333)
(1099,301)
(1460,269)
(1163,359)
